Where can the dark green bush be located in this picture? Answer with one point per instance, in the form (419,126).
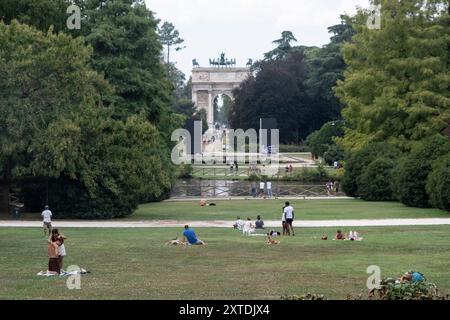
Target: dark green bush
(392,290)
(438,183)
(333,153)
(356,162)
(411,173)
(373,184)
(292,148)
(185,171)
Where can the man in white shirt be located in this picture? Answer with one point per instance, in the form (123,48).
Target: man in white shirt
(261,188)
(239,224)
(288,214)
(269,189)
(47,219)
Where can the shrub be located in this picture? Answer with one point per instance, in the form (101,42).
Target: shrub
(357,161)
(291,148)
(185,171)
(305,297)
(411,173)
(333,153)
(392,290)
(438,183)
(373,184)
(319,141)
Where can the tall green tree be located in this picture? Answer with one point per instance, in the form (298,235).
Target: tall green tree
(276,91)
(283,46)
(396,86)
(326,67)
(43,78)
(127,51)
(170,37)
(39,13)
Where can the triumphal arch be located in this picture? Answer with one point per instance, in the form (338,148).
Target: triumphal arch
(221,77)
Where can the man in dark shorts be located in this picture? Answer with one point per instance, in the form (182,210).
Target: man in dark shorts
(288,213)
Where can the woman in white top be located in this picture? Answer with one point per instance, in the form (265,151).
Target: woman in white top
(61,247)
(249,227)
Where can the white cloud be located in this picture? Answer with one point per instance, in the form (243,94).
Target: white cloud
(245,28)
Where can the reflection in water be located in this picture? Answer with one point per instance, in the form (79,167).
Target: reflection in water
(228,188)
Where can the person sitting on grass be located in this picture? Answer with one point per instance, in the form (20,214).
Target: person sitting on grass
(53,255)
(249,227)
(339,235)
(259,224)
(191,238)
(239,224)
(412,276)
(61,248)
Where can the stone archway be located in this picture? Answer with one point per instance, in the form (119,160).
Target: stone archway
(207,83)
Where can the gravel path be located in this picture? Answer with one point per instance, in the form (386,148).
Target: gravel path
(227,224)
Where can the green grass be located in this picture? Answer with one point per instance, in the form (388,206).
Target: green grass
(135,263)
(271,210)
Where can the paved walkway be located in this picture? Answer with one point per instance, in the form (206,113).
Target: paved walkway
(227,224)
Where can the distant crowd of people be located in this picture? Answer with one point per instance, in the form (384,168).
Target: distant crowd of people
(249,227)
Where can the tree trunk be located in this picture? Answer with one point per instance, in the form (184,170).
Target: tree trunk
(4,197)
(168,54)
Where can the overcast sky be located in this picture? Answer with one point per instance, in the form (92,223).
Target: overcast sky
(245,29)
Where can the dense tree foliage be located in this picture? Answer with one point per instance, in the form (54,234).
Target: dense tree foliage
(277,91)
(127,51)
(98,144)
(295,85)
(357,162)
(438,183)
(39,13)
(322,140)
(396,86)
(326,67)
(411,173)
(373,183)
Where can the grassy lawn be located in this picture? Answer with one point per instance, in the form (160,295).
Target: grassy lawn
(135,263)
(271,210)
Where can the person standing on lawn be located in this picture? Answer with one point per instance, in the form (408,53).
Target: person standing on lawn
(47,220)
(288,212)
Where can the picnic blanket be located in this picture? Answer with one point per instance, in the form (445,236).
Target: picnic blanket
(62,274)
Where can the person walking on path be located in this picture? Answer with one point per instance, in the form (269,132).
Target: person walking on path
(47,220)
(288,212)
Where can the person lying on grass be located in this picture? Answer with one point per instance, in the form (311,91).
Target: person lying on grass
(271,241)
(176,242)
(190,237)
